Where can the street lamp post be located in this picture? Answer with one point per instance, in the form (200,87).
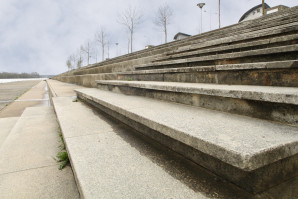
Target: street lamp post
(218,13)
(117,49)
(263,7)
(201,5)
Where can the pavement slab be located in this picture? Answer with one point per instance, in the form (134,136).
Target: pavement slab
(44,182)
(6,125)
(27,165)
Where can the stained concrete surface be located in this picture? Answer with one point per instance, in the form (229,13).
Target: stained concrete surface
(10,91)
(35,96)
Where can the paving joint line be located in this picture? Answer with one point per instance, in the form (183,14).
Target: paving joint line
(18,171)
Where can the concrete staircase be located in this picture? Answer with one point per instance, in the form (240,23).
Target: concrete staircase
(226,100)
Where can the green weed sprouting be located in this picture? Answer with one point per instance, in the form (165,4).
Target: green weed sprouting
(62,156)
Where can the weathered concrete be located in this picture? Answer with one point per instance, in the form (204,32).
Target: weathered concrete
(224,57)
(44,182)
(256,101)
(67,90)
(27,165)
(6,125)
(227,47)
(11,91)
(219,135)
(35,96)
(287,95)
(111,160)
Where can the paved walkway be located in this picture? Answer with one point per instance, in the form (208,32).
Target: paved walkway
(29,142)
(10,91)
(60,89)
(27,165)
(36,96)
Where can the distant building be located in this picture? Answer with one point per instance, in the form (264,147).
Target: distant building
(253,13)
(148,46)
(257,12)
(181,35)
(275,9)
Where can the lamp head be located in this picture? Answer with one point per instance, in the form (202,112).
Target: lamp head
(200,5)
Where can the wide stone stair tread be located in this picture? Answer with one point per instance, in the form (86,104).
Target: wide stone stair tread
(243,142)
(288,95)
(224,67)
(245,66)
(105,162)
(234,47)
(248,53)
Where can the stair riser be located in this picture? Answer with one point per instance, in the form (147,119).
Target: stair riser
(254,181)
(285,113)
(236,49)
(231,58)
(273,77)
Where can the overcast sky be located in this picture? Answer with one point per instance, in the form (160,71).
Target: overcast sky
(39,35)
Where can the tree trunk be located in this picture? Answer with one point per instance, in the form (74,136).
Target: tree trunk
(103,51)
(166,34)
(131,36)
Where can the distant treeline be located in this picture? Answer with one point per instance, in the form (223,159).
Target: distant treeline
(5,75)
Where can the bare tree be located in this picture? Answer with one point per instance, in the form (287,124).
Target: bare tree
(68,64)
(87,49)
(130,18)
(71,61)
(100,36)
(163,18)
(79,60)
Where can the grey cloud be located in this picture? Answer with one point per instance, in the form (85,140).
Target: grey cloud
(39,35)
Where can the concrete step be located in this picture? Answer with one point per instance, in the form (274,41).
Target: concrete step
(215,40)
(6,125)
(248,152)
(111,160)
(270,103)
(231,47)
(27,165)
(209,42)
(280,73)
(281,53)
(223,32)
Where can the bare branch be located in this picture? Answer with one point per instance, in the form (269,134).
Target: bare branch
(130,18)
(101,38)
(163,18)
